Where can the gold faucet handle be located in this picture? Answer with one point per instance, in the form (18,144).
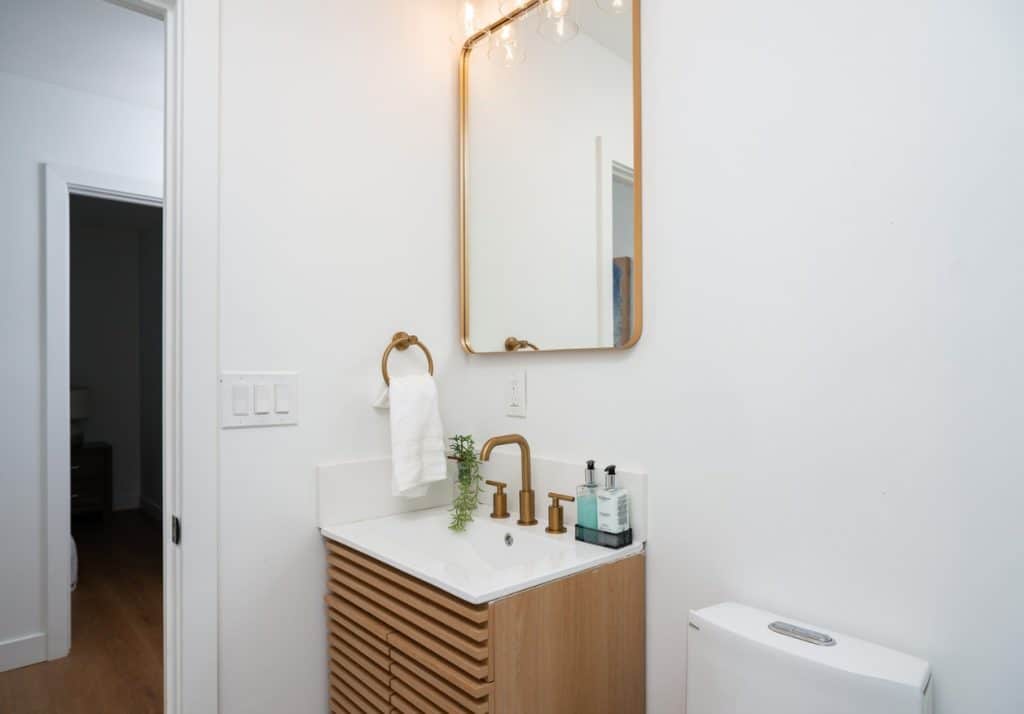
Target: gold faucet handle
(556,515)
(500,499)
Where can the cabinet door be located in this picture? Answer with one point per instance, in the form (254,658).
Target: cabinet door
(573,645)
(409,645)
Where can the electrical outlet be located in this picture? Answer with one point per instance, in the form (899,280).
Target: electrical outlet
(515,395)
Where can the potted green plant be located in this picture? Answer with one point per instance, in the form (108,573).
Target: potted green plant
(469,485)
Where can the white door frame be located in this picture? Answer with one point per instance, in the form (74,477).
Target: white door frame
(60,184)
(190,358)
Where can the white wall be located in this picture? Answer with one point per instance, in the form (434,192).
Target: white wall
(828,393)
(533,209)
(93,46)
(42,123)
(338,224)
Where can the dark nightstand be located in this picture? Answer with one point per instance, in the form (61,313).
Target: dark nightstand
(92,476)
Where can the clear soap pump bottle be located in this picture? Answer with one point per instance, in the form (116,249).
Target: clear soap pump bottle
(612,505)
(586,499)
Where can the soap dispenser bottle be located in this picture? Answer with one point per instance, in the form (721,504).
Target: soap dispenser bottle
(612,505)
(586,499)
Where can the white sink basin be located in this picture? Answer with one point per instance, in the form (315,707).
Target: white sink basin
(480,564)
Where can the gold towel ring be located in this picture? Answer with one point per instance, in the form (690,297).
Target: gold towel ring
(402,341)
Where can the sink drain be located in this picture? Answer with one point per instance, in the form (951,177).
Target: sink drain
(508,539)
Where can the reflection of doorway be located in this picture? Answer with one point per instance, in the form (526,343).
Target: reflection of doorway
(616,247)
(622,253)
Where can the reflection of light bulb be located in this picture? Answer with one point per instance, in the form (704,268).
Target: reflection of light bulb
(615,7)
(558,23)
(505,48)
(466,21)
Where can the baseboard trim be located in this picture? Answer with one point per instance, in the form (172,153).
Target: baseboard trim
(22,651)
(152,509)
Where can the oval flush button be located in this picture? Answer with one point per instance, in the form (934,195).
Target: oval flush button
(802,633)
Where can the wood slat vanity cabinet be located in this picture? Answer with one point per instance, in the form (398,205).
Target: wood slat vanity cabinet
(398,644)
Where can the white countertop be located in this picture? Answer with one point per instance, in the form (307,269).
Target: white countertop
(476,565)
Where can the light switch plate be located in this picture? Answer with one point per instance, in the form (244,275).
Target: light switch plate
(515,395)
(274,399)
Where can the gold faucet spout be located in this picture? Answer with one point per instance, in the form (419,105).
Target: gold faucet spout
(527,511)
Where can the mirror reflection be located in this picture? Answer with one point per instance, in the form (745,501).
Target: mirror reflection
(551,233)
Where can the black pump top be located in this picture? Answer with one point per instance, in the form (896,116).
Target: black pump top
(609,480)
(590,463)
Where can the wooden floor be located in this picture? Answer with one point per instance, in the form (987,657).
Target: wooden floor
(116,660)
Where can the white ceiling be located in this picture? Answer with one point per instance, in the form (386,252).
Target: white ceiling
(88,45)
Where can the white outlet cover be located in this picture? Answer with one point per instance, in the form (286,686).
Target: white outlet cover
(515,395)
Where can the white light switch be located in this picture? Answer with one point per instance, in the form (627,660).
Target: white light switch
(515,395)
(282,399)
(255,399)
(240,399)
(261,399)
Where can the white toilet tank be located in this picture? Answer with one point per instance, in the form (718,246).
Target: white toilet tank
(746,661)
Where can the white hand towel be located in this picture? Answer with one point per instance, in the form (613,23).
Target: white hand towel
(417,436)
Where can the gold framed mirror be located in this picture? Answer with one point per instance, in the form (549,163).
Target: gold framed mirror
(551,222)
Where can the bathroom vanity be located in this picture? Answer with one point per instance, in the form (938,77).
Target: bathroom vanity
(502,618)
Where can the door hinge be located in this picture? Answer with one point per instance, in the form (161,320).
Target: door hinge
(175,530)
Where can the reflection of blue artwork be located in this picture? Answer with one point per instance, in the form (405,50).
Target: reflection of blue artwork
(622,299)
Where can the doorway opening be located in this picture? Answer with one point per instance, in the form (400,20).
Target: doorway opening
(116,347)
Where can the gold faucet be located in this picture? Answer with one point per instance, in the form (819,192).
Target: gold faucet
(527,516)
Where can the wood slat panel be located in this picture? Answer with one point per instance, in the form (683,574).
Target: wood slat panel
(341,705)
(416,699)
(340,691)
(433,694)
(373,654)
(343,679)
(372,631)
(423,676)
(381,674)
(477,651)
(349,671)
(439,648)
(474,631)
(402,706)
(473,613)
(473,687)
